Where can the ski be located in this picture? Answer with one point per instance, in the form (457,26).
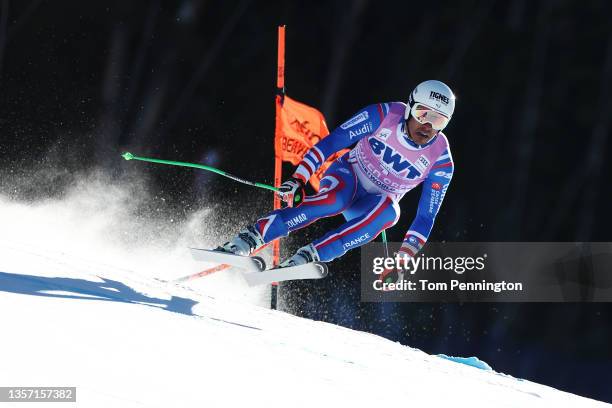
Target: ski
(312,270)
(246,263)
(252,267)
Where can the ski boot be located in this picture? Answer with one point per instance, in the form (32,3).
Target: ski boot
(245,243)
(302,256)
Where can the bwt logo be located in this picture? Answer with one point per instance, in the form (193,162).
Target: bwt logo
(439,97)
(394,159)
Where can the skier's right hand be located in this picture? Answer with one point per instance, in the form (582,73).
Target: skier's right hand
(392,275)
(292,192)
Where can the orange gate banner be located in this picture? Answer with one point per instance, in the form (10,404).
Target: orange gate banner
(299,127)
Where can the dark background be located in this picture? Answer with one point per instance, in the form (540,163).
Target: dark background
(191,80)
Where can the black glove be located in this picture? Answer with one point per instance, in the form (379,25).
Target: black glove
(292,192)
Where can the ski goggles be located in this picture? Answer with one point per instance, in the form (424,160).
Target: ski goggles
(424,114)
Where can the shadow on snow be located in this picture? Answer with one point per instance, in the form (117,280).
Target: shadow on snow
(107,290)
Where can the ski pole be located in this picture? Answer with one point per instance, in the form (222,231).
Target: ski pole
(383,235)
(130,156)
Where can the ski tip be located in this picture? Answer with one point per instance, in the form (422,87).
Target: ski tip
(127,156)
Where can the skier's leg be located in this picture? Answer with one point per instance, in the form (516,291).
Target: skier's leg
(336,193)
(379,212)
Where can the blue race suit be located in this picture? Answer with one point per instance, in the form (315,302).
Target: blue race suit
(366,184)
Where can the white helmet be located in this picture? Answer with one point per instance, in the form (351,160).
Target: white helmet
(435,95)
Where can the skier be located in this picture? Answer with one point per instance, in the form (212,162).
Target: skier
(397,146)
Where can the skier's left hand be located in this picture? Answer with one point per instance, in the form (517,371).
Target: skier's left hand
(292,192)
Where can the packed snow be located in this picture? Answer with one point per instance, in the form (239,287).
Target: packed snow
(84,304)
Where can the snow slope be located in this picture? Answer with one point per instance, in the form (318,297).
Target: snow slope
(79,307)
